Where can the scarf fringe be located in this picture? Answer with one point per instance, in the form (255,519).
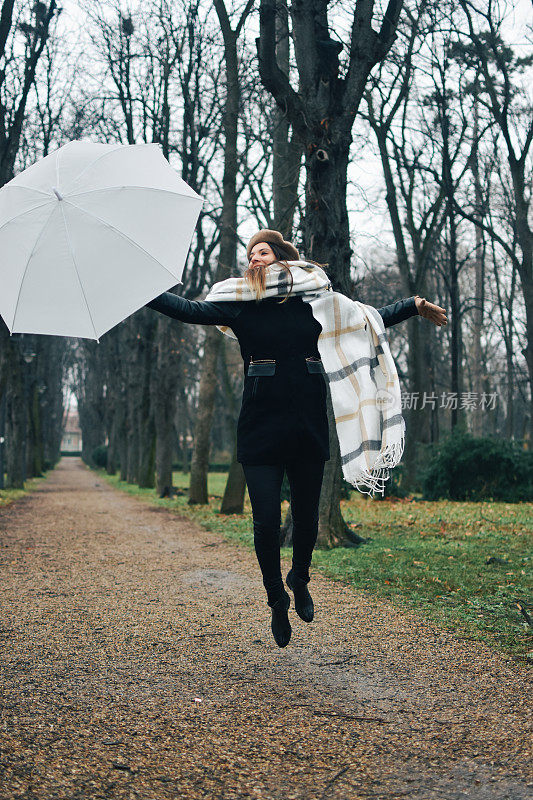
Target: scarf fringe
(374,480)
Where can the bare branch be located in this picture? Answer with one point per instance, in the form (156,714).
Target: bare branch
(273,78)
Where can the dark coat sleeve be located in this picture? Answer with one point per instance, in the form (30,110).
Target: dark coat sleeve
(397,312)
(203,312)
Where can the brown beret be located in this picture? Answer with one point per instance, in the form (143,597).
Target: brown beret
(272,237)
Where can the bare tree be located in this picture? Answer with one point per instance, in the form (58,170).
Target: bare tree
(322,113)
(17,75)
(89,388)
(195,150)
(420,110)
(277,150)
(24,34)
(227,250)
(500,68)
(153,61)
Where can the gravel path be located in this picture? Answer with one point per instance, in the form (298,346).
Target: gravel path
(138,663)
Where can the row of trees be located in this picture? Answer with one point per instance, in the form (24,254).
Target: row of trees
(32,369)
(308,130)
(267,131)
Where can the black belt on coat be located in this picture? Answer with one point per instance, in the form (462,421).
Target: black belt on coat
(267,366)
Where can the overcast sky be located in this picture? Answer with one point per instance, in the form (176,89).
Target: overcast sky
(369,222)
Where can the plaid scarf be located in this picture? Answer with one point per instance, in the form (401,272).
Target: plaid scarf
(362,377)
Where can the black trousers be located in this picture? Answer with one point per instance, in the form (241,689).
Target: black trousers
(264,487)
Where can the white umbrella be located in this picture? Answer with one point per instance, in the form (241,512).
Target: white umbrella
(88,235)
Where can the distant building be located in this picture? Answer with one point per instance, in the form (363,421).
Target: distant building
(71,441)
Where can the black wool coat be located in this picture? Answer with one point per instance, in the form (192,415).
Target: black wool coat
(283,414)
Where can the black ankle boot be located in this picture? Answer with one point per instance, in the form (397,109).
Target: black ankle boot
(281,627)
(303,602)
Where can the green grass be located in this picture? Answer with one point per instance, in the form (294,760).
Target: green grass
(432,557)
(8,496)
(428,556)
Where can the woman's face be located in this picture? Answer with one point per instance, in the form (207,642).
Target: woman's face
(261,255)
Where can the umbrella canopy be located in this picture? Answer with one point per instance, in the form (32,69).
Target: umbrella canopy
(90,234)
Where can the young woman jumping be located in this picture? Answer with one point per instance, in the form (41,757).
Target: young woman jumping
(294,333)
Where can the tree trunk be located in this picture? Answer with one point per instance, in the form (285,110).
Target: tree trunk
(122,429)
(140,332)
(233,500)
(202,431)
(91,404)
(227,253)
(509,354)
(326,227)
(287,151)
(146,478)
(112,449)
(418,419)
(15,424)
(164,453)
(479,290)
(332,529)
(3,411)
(165,388)
(525,267)
(287,529)
(327,238)
(132,431)
(185,460)
(442,100)
(52,365)
(455,309)
(36,433)
(145,413)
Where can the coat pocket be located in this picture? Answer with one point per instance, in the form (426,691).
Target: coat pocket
(258,369)
(314,366)
(261,368)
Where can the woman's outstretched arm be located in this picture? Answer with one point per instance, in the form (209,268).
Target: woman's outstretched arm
(409,307)
(202,312)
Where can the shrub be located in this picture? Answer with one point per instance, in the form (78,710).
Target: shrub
(99,456)
(464,467)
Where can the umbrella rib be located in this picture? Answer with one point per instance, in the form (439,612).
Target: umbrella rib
(124,236)
(28,189)
(71,249)
(131,186)
(27,211)
(92,163)
(38,239)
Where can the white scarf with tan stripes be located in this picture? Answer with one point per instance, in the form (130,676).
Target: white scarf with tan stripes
(360,370)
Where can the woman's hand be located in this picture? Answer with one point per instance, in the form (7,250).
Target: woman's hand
(430,311)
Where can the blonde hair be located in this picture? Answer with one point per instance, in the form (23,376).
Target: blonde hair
(255,276)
